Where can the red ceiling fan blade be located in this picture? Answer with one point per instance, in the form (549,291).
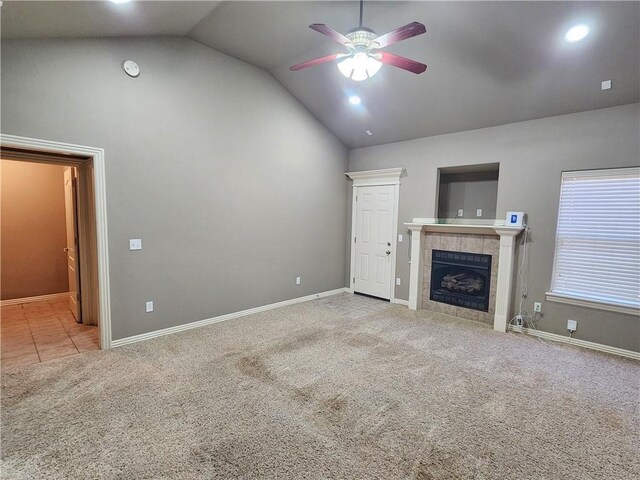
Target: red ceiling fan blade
(402,62)
(316,61)
(330,32)
(410,30)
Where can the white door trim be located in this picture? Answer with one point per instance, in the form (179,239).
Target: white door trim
(100,199)
(369,178)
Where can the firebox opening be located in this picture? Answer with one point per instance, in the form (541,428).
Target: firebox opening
(461,279)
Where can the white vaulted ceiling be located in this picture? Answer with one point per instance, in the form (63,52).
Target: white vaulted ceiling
(490,63)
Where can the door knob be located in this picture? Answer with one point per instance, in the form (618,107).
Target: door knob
(388,252)
(66,249)
(388,244)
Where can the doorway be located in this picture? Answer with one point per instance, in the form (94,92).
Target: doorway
(87,300)
(374,216)
(42,318)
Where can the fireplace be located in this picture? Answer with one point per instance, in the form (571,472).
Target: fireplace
(461,279)
(495,240)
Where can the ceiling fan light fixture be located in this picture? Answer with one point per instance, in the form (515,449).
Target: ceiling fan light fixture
(359,66)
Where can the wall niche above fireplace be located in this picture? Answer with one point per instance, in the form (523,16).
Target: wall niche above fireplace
(468,188)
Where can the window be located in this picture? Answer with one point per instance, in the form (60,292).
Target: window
(597,259)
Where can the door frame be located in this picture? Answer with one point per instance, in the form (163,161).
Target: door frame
(376,178)
(95,189)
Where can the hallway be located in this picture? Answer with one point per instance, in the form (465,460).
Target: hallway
(40,331)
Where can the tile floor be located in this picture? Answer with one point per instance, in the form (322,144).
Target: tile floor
(353,306)
(40,331)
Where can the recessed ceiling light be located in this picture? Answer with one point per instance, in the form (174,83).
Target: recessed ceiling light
(120,1)
(577,33)
(355,100)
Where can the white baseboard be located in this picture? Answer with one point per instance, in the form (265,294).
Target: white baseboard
(574,341)
(40,298)
(400,301)
(222,318)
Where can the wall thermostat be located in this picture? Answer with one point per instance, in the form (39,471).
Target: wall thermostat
(516,219)
(132,68)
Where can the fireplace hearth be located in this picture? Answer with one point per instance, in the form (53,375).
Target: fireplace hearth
(461,279)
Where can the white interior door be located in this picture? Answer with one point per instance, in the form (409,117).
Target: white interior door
(373,240)
(70,204)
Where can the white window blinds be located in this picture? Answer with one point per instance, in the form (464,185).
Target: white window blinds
(598,238)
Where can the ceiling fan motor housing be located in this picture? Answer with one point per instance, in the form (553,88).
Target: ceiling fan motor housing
(362,37)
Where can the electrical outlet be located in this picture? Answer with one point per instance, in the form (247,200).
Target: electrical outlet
(149,307)
(298,280)
(398,281)
(460,212)
(537,307)
(519,320)
(478,212)
(572,325)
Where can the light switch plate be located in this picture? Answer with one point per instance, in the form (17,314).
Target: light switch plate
(135,244)
(298,280)
(398,281)
(148,307)
(606,85)
(400,237)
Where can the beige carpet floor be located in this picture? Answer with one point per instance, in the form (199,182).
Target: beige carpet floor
(307,392)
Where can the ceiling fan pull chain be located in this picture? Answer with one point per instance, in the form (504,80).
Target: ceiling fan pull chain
(361,2)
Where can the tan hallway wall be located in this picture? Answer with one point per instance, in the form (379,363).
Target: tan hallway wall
(32,229)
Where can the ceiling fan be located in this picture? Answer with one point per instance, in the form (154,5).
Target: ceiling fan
(364,57)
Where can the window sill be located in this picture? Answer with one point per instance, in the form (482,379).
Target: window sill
(581,302)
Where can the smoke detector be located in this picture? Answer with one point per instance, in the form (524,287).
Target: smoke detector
(131,68)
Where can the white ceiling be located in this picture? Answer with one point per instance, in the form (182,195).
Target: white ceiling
(490,63)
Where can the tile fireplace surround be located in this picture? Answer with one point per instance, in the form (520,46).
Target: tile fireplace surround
(492,239)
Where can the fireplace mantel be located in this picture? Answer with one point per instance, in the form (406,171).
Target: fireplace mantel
(486,227)
(505,268)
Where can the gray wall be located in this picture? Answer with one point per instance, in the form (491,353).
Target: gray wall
(468,191)
(532,156)
(234,188)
